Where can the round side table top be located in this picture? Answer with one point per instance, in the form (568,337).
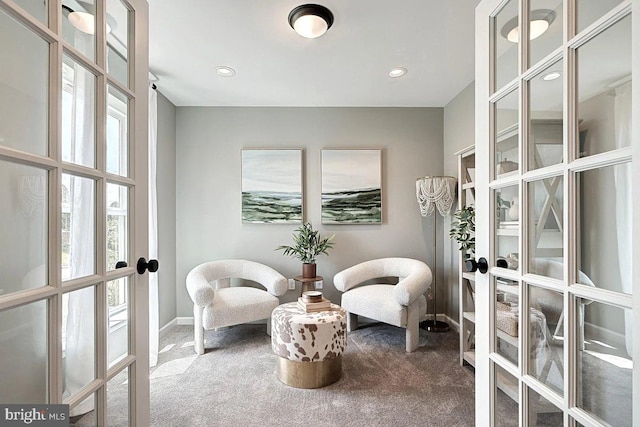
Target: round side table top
(307,279)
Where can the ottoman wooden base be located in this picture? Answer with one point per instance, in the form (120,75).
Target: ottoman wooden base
(309,374)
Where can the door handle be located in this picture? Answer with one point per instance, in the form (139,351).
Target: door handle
(481,265)
(121,264)
(143,265)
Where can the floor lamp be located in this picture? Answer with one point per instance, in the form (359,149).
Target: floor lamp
(432,192)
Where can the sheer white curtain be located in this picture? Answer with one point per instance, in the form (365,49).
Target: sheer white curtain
(623,200)
(153,227)
(79,357)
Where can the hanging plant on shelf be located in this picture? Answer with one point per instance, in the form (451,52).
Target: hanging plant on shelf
(463,230)
(308,244)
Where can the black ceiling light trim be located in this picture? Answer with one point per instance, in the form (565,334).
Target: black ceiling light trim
(311,9)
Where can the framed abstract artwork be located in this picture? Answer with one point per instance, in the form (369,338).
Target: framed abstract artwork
(272,186)
(351,186)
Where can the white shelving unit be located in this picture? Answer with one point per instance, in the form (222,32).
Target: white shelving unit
(466,280)
(546,143)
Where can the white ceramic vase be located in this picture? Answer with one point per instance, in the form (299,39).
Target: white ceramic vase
(514,210)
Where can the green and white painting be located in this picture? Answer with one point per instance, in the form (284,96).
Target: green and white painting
(272,186)
(351,187)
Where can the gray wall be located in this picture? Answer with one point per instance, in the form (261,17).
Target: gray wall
(166,182)
(209,144)
(459,133)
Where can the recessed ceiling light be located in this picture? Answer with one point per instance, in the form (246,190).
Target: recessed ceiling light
(397,72)
(225,71)
(540,20)
(551,76)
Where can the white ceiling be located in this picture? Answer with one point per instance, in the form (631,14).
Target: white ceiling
(433,39)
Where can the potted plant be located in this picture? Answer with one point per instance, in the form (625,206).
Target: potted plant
(307,245)
(463,230)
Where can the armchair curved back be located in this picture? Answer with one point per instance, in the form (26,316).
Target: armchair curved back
(555,270)
(414,276)
(198,279)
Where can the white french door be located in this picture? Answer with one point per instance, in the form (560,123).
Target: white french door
(73,207)
(557,131)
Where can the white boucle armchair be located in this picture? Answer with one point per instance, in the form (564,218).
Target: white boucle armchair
(219,304)
(402,304)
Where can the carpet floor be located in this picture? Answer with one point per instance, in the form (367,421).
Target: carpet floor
(234,383)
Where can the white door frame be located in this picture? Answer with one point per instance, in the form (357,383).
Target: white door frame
(485,303)
(137,360)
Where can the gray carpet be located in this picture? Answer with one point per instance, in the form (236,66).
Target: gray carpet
(234,383)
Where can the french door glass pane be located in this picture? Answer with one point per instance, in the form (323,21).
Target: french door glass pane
(546,227)
(545,30)
(507,227)
(118,399)
(506,138)
(506,319)
(506,402)
(604,238)
(546,341)
(78,342)
(118,329)
(24,227)
(543,413)
(605,365)
(546,124)
(588,11)
(84,414)
(23,352)
(37,8)
(79,25)
(24,87)
(78,227)
(78,114)
(117,224)
(506,44)
(604,90)
(118,41)
(117,132)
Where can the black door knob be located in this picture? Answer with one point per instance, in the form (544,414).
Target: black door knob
(143,265)
(121,264)
(481,265)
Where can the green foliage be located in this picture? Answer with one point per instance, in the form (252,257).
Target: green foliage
(308,244)
(463,229)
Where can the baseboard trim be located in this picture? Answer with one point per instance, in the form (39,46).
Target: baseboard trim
(189,321)
(166,327)
(452,323)
(184,320)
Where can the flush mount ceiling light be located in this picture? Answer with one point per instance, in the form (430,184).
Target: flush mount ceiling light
(224,71)
(540,20)
(83,20)
(310,20)
(397,72)
(551,76)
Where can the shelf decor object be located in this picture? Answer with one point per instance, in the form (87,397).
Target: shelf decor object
(435,192)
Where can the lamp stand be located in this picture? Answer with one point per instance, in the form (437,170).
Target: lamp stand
(435,325)
(435,192)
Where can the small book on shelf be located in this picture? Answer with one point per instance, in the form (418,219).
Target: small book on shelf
(322,305)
